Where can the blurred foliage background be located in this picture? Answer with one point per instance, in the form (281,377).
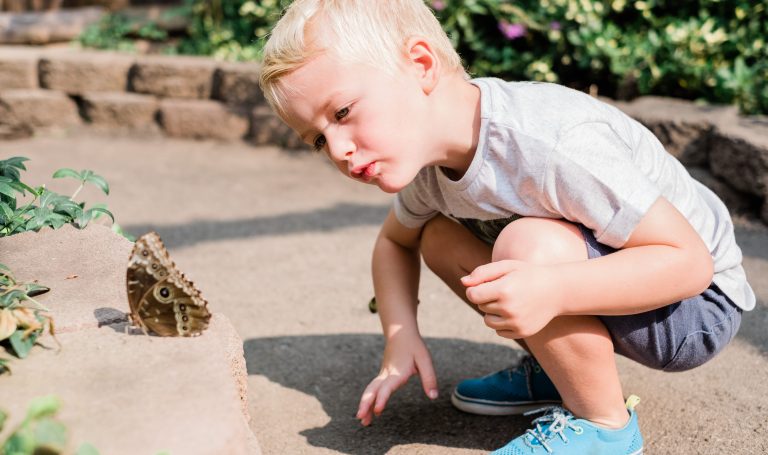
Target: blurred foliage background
(708,50)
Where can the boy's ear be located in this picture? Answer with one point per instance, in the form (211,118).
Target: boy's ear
(423,61)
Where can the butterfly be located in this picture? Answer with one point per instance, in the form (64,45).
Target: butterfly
(161,299)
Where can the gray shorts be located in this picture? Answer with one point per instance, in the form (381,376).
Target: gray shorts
(676,337)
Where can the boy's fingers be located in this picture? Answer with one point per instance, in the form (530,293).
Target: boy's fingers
(381,399)
(366,401)
(487,272)
(428,376)
(483,293)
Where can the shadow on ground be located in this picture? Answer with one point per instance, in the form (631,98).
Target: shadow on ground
(339,216)
(753,324)
(336,368)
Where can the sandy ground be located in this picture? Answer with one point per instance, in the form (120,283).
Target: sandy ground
(280,243)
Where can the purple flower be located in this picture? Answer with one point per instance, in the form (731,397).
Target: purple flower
(512,31)
(438,5)
(554,25)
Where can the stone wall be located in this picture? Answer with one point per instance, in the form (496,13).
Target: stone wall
(200,98)
(188,97)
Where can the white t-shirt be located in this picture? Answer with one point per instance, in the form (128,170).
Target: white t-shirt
(549,151)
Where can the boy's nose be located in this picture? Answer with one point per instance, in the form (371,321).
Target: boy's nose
(341,149)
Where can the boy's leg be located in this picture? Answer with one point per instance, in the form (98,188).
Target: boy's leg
(583,339)
(451,252)
(575,351)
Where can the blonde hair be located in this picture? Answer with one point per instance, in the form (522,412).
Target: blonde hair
(364,31)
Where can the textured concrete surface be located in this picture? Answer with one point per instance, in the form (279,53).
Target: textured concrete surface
(280,244)
(123,392)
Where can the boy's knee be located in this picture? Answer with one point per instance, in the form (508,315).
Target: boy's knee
(540,241)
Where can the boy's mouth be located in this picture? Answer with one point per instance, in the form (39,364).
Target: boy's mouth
(365,172)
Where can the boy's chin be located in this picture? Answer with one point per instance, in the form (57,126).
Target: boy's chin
(391,185)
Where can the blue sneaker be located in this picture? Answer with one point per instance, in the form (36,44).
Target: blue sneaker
(507,392)
(560,433)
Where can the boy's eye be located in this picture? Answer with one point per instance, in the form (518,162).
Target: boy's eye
(341,113)
(319,143)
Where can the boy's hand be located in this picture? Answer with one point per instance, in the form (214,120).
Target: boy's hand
(404,355)
(518,298)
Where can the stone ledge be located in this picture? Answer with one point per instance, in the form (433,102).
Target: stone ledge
(120,110)
(173,77)
(202,119)
(88,71)
(39,108)
(18,69)
(47,26)
(123,393)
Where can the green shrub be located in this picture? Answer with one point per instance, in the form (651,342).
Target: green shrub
(714,50)
(711,49)
(117,31)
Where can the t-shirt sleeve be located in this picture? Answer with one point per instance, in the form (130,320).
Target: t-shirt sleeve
(591,178)
(411,207)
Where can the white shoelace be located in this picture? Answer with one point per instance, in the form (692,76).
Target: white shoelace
(558,419)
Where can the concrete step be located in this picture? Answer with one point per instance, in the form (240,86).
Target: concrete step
(125,393)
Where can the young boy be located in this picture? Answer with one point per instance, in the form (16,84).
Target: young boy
(562,221)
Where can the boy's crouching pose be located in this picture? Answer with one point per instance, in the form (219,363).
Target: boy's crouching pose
(562,221)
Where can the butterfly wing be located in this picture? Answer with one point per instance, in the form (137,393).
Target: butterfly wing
(161,299)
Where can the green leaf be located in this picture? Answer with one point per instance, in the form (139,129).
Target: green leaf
(119,230)
(16,161)
(34,289)
(22,345)
(50,435)
(7,190)
(22,442)
(3,368)
(94,210)
(43,406)
(16,295)
(99,181)
(86,449)
(67,172)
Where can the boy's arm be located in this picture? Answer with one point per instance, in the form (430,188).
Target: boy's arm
(663,261)
(396,266)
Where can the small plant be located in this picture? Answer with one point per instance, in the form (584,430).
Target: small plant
(22,319)
(116,31)
(47,208)
(40,432)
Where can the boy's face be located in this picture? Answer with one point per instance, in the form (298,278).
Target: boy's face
(369,123)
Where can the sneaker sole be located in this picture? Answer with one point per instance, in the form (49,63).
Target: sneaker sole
(496,408)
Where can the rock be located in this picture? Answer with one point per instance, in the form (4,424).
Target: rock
(268,129)
(18,67)
(238,84)
(47,26)
(123,392)
(120,110)
(80,72)
(173,77)
(739,154)
(41,108)
(202,120)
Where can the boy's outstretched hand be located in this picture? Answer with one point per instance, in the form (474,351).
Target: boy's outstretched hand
(404,355)
(518,298)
